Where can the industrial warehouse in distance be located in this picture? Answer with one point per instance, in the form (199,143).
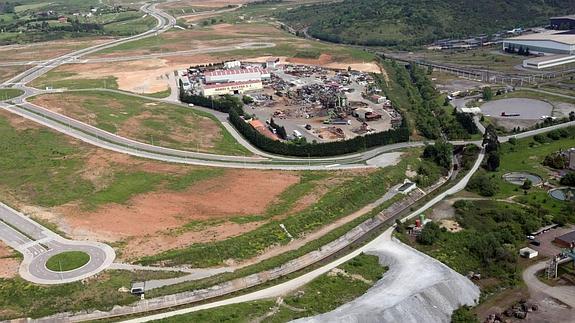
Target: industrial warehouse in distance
(555,46)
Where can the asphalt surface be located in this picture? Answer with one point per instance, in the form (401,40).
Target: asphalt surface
(38,244)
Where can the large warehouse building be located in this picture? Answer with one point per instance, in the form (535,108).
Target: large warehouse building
(563,23)
(237,75)
(549,42)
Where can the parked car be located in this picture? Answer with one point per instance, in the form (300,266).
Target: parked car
(535,243)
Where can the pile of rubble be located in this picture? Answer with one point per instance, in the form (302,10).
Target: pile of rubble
(518,311)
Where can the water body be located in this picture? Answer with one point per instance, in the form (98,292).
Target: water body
(563,194)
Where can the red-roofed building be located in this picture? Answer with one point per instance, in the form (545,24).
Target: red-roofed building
(261,128)
(238,75)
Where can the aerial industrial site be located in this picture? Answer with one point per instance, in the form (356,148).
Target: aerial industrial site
(287,161)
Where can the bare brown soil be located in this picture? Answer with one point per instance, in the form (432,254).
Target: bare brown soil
(8,266)
(237,192)
(8,72)
(145,246)
(142,76)
(325,60)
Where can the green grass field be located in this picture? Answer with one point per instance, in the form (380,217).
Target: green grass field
(7,94)
(66,80)
(67,261)
(321,295)
(42,167)
(151,122)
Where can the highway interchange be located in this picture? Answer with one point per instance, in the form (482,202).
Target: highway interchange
(38,244)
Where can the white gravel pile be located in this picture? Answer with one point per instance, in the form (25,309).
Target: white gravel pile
(417,288)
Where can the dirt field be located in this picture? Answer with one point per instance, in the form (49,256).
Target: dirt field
(7,73)
(160,211)
(143,76)
(8,266)
(325,60)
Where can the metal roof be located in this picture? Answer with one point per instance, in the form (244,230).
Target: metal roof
(236,72)
(555,36)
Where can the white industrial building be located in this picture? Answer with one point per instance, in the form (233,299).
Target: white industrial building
(550,42)
(237,75)
(555,47)
(528,253)
(232,64)
(231,88)
(548,61)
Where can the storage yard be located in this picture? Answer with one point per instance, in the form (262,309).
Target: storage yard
(304,101)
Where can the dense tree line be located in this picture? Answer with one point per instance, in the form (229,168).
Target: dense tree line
(224,104)
(306,149)
(432,119)
(412,23)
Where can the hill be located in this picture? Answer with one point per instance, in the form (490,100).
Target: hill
(417,22)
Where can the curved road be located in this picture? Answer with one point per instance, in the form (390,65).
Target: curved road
(38,244)
(33,240)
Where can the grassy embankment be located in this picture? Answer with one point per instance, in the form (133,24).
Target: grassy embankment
(342,200)
(19,298)
(321,295)
(151,122)
(42,168)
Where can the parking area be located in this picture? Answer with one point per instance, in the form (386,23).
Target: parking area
(547,248)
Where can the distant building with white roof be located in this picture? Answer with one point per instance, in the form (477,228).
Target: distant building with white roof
(236,75)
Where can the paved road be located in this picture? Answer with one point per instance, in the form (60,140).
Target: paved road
(565,294)
(283,288)
(38,244)
(34,241)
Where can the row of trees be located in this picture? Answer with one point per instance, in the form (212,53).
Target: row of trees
(432,120)
(523,51)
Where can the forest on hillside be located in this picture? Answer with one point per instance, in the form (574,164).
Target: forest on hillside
(417,22)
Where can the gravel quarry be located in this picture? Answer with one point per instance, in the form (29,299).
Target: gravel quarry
(417,288)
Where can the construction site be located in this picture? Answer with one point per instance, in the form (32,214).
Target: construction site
(310,102)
